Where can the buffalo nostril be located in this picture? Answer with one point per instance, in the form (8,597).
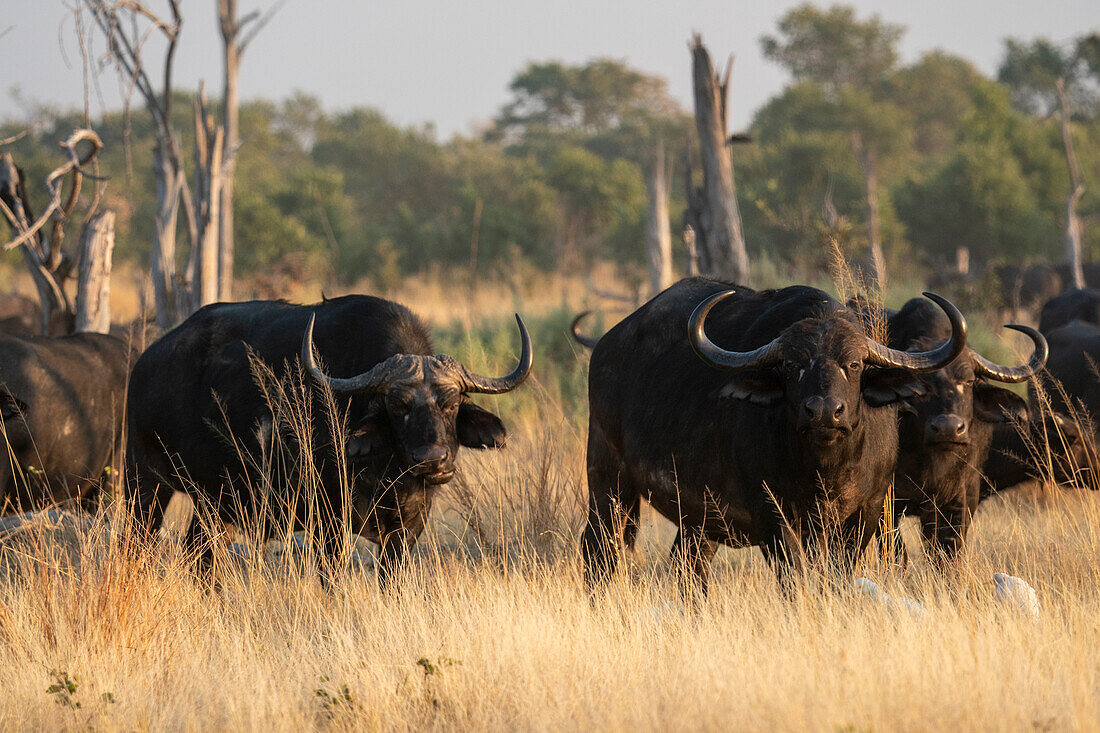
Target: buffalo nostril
(814,407)
(838,410)
(429,454)
(960,428)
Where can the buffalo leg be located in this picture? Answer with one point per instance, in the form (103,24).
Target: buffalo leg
(944,529)
(786,556)
(630,525)
(395,546)
(691,556)
(610,499)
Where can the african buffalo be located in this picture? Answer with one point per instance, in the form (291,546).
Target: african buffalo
(946,431)
(588,342)
(786,442)
(1071,381)
(1072,305)
(61,402)
(1050,449)
(407,410)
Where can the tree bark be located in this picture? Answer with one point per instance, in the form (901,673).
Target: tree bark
(658,234)
(203,270)
(230,28)
(93,285)
(715,216)
(163,256)
(1076,190)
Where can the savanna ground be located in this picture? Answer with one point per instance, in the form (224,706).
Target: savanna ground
(492,629)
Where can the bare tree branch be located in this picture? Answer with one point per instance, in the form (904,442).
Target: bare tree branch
(54,183)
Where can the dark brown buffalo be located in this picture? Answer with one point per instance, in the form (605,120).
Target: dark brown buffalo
(407,409)
(1051,449)
(1072,305)
(946,432)
(61,402)
(784,437)
(1071,381)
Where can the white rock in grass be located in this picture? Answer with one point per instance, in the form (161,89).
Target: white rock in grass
(868,587)
(898,605)
(1016,593)
(664,612)
(902,604)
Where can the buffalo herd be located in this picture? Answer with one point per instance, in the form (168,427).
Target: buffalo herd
(777,418)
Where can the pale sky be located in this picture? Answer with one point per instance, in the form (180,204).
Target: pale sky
(449,63)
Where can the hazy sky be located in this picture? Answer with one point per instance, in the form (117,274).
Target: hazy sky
(450,62)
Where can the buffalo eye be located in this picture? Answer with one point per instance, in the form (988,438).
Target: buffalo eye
(855,366)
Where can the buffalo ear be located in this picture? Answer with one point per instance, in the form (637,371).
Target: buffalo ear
(885,386)
(478,428)
(369,437)
(997,404)
(759,387)
(11,406)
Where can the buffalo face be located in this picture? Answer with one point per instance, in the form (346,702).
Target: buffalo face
(960,394)
(420,424)
(419,411)
(823,369)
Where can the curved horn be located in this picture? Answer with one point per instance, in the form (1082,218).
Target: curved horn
(716,356)
(588,342)
(498,385)
(370,381)
(925,361)
(999,373)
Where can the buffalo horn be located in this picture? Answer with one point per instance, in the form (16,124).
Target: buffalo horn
(589,342)
(370,381)
(497,385)
(999,373)
(925,361)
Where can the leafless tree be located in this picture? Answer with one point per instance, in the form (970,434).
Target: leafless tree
(712,210)
(41,239)
(127,26)
(237,33)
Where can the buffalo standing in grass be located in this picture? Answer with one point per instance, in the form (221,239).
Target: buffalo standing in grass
(1072,380)
(61,402)
(946,432)
(786,442)
(1050,449)
(407,410)
(1072,305)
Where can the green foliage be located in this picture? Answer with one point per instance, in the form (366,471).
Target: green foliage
(979,199)
(832,48)
(560,365)
(558,178)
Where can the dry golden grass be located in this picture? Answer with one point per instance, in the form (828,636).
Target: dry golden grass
(491,628)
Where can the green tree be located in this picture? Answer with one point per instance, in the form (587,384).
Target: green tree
(852,60)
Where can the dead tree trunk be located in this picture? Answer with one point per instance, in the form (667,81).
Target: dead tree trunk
(203,270)
(230,28)
(714,214)
(658,235)
(235,41)
(867,165)
(163,255)
(93,285)
(1076,190)
(43,251)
